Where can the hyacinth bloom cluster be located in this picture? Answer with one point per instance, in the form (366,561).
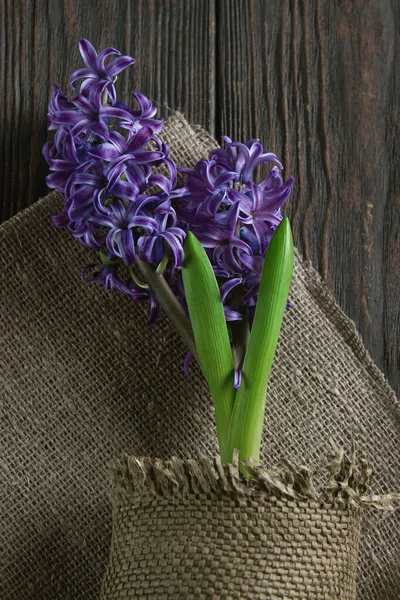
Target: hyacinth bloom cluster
(234,218)
(122,197)
(115,174)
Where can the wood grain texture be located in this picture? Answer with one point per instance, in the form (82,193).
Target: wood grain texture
(318,82)
(172,42)
(315,80)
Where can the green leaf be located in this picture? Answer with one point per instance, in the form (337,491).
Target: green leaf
(210,333)
(247,420)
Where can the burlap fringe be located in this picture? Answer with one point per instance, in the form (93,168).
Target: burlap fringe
(347,480)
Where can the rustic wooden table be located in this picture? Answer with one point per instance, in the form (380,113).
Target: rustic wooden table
(315,80)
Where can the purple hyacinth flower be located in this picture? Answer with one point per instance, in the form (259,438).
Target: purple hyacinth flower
(97,75)
(232,313)
(58,102)
(142,117)
(151,248)
(219,235)
(118,150)
(88,190)
(107,275)
(155,309)
(64,158)
(122,222)
(243,158)
(233,218)
(260,209)
(87,233)
(209,187)
(251,279)
(237,379)
(86,115)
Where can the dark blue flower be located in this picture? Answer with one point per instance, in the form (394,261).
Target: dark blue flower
(166,235)
(87,191)
(260,209)
(220,235)
(107,275)
(122,223)
(119,149)
(86,114)
(242,158)
(97,75)
(144,117)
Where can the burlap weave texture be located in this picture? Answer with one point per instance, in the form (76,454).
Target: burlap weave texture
(83,380)
(185,530)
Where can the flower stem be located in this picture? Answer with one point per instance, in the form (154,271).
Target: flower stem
(169,303)
(107,261)
(161,267)
(140,284)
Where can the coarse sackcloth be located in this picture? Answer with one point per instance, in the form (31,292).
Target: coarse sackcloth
(196,530)
(83,380)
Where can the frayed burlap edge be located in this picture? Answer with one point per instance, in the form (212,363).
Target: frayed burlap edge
(346,483)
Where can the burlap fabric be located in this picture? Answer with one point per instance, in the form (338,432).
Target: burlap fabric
(194,530)
(83,380)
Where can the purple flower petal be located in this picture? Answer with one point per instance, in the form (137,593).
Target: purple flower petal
(56,180)
(232,315)
(103,54)
(105,151)
(88,53)
(186,363)
(59,220)
(112,111)
(148,157)
(111,93)
(224,178)
(139,140)
(80,74)
(67,117)
(155,311)
(118,64)
(228,286)
(176,248)
(126,246)
(161,181)
(123,189)
(237,379)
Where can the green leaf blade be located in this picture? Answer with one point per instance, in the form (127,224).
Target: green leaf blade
(210,333)
(248,414)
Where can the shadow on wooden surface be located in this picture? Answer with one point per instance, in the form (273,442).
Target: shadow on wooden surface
(315,81)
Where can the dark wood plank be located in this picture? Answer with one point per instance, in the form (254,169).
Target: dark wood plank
(316,81)
(172,41)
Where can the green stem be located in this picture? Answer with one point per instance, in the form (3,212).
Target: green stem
(139,283)
(107,261)
(169,303)
(161,267)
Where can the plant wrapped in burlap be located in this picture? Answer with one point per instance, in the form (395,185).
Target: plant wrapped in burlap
(82,380)
(197,530)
